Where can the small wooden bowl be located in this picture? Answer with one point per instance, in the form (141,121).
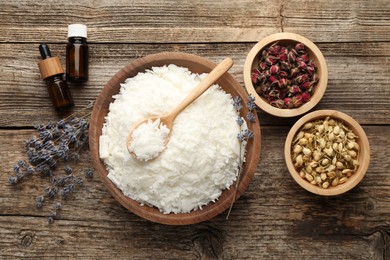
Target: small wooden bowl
(286,39)
(195,64)
(363,156)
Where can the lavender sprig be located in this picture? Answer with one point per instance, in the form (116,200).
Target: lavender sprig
(53,144)
(243,136)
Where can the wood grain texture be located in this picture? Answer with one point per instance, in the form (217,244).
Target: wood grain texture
(274,218)
(358,78)
(195,21)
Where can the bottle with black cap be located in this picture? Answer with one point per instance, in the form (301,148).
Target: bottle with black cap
(53,73)
(77,54)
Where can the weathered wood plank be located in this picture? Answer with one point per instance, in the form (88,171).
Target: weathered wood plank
(358,78)
(195,21)
(274,217)
(140,21)
(338,21)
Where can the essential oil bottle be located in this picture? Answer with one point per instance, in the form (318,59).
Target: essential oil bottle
(53,73)
(77,54)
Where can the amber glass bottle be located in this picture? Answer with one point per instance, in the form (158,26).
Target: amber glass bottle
(53,73)
(77,54)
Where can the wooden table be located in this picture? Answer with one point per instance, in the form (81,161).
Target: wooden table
(275,218)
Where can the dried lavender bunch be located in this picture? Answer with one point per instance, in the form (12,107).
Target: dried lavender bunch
(244,135)
(55,143)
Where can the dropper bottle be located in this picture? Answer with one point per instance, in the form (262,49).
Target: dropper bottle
(53,73)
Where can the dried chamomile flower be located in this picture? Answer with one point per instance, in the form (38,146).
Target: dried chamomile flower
(325,152)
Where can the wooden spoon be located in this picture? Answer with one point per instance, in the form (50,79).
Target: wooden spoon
(168,119)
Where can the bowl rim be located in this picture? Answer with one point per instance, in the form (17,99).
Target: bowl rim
(320,89)
(363,153)
(152,213)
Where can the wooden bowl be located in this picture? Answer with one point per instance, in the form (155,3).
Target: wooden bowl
(363,155)
(286,39)
(195,64)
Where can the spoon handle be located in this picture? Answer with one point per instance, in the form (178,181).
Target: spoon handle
(205,84)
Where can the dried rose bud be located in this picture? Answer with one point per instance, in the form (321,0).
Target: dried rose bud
(283,57)
(258,89)
(270,60)
(266,73)
(264,53)
(315,78)
(262,65)
(295,52)
(283,82)
(302,78)
(302,65)
(306,85)
(299,47)
(274,49)
(310,70)
(297,101)
(305,96)
(295,90)
(274,94)
(264,88)
(284,65)
(277,103)
(288,102)
(273,80)
(295,72)
(291,57)
(255,76)
(305,58)
(274,69)
(283,74)
(312,64)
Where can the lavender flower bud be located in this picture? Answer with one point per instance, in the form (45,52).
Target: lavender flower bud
(88,173)
(12,180)
(58,206)
(240,121)
(240,137)
(39,202)
(251,117)
(68,170)
(50,219)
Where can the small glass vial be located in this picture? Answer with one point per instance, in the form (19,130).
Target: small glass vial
(53,73)
(77,54)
